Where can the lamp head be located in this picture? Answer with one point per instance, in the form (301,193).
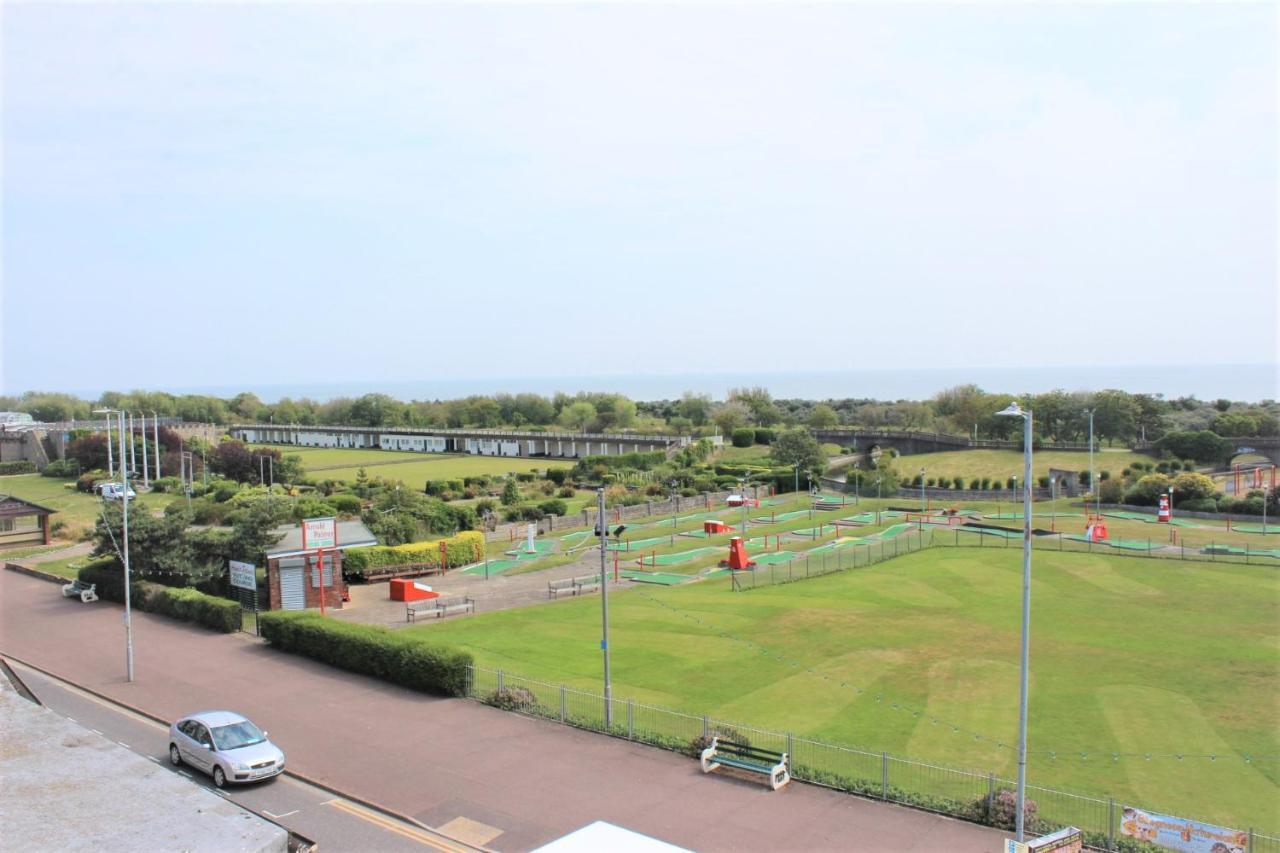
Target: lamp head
(1013,410)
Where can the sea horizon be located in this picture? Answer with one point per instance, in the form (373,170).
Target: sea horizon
(1242,382)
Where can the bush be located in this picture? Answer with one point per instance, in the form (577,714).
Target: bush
(399,657)
(557,475)
(764,435)
(744,437)
(1110,491)
(1000,810)
(1044,481)
(554,506)
(518,699)
(1199,505)
(19,467)
(724,733)
(166,484)
(189,605)
(525,477)
(60,468)
(567,492)
(345,504)
(465,548)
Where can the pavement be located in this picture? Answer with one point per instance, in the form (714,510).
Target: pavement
(474,773)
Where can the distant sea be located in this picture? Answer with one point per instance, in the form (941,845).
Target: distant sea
(1247,382)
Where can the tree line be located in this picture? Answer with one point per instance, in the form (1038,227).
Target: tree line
(1061,416)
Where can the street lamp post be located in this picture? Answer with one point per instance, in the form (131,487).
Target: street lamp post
(877,488)
(1014,411)
(604,607)
(924,502)
(111,467)
(742,489)
(1092,485)
(124,535)
(146,478)
(155,430)
(1053,506)
(856,485)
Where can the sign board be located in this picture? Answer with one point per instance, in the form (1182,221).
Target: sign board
(319,533)
(243,575)
(1175,833)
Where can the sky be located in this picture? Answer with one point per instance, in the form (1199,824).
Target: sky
(232,195)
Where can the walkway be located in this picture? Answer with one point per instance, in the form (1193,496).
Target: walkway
(449,761)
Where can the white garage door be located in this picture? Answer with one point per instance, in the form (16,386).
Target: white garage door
(292,594)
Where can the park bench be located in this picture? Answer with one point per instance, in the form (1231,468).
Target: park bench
(725,753)
(573,586)
(438,608)
(86,592)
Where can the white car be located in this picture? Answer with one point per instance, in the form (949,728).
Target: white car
(115,491)
(226,746)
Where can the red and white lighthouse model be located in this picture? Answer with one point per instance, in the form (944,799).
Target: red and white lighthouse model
(1162,514)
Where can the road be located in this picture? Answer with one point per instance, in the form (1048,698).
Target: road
(308,810)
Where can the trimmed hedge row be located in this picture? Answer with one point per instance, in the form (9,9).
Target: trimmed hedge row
(463,549)
(189,605)
(20,467)
(395,656)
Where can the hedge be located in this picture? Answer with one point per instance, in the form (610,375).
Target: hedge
(189,605)
(395,656)
(465,548)
(19,467)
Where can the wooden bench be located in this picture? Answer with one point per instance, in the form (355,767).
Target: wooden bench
(573,586)
(725,753)
(438,607)
(86,592)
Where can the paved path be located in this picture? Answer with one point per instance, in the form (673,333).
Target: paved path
(449,763)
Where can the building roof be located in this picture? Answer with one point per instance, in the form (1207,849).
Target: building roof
(11,506)
(351,534)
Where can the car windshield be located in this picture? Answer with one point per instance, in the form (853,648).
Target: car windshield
(237,735)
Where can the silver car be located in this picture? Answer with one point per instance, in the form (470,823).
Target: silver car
(226,746)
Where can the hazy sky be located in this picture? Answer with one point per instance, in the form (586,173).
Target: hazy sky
(259,193)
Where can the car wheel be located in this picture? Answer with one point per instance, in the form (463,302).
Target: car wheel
(219,778)
(175,758)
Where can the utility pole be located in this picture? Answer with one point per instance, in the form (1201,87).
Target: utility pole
(155,426)
(133,456)
(604,606)
(145,481)
(111,467)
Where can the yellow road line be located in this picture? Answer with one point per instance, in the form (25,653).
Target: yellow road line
(419,835)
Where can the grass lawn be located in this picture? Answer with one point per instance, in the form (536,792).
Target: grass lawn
(1128,656)
(757,454)
(77,509)
(414,469)
(1008,463)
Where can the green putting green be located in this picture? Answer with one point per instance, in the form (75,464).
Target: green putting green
(985,531)
(1273,553)
(786,516)
(639,544)
(680,557)
(660,578)
(496,567)
(1255,528)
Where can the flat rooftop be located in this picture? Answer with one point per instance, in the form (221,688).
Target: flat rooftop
(67,788)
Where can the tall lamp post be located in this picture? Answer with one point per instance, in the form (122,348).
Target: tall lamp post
(124,534)
(1014,411)
(604,606)
(1093,486)
(924,502)
(856,485)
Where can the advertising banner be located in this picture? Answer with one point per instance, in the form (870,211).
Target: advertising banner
(1175,833)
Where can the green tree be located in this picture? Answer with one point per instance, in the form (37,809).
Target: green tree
(576,416)
(1235,424)
(695,407)
(510,492)
(823,417)
(797,446)
(1189,485)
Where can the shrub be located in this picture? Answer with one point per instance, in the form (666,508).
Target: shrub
(531,513)
(744,437)
(166,484)
(399,657)
(944,482)
(1044,481)
(725,733)
(553,507)
(465,548)
(512,699)
(567,492)
(1199,505)
(20,467)
(1012,482)
(557,475)
(986,482)
(60,468)
(84,483)
(345,504)
(764,435)
(1110,491)
(1001,808)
